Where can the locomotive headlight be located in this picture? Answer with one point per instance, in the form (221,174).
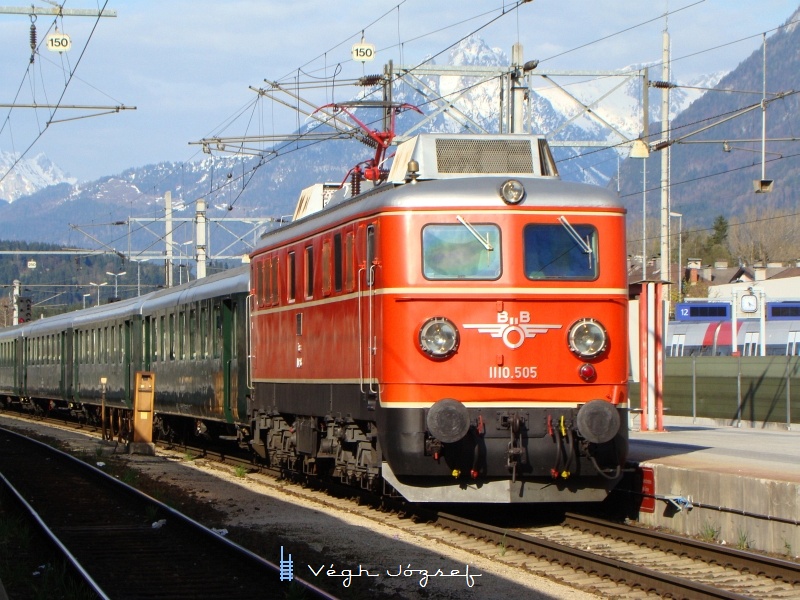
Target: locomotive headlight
(438,337)
(587,338)
(512,191)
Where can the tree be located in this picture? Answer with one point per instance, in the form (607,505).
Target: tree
(765,234)
(720,235)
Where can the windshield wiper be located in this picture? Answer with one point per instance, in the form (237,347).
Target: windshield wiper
(473,231)
(575,235)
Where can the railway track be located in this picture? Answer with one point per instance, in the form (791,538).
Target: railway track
(124,544)
(648,562)
(596,555)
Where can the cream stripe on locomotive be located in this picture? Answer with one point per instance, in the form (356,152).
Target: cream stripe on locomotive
(488,293)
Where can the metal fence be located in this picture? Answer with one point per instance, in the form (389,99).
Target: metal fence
(753,390)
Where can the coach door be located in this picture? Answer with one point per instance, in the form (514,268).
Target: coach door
(229,364)
(67,372)
(19,372)
(366,309)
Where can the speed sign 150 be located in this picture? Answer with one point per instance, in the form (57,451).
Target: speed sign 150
(58,42)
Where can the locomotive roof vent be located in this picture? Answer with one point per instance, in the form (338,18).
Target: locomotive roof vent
(443,156)
(316,197)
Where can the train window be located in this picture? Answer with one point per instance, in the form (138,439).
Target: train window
(273,278)
(327,271)
(216,322)
(112,345)
(267,291)
(204,329)
(171,339)
(182,335)
(162,338)
(309,271)
(193,333)
(337,262)
(370,254)
(260,281)
(461,251)
(349,262)
(290,277)
(234,330)
(553,252)
(678,341)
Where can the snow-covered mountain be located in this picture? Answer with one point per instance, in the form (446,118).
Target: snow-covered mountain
(259,187)
(29,175)
(556,107)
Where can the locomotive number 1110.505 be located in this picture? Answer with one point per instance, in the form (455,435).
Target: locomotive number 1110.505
(497,372)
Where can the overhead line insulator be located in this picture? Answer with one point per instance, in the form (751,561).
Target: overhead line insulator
(663,84)
(368,80)
(33,41)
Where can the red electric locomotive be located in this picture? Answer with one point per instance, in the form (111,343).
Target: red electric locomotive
(458,332)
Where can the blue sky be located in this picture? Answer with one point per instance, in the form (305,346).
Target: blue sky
(187,64)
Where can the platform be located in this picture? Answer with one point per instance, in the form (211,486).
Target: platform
(740,485)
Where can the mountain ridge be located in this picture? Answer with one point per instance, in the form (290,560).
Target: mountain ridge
(249,187)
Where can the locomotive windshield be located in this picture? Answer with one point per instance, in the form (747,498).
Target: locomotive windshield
(558,251)
(461,251)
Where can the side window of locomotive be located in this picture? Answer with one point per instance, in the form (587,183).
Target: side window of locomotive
(327,271)
(461,251)
(337,262)
(370,253)
(290,277)
(349,262)
(262,283)
(553,252)
(309,271)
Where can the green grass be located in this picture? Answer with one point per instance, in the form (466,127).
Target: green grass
(709,532)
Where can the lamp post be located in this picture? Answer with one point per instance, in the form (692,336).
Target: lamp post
(116,277)
(84,299)
(98,286)
(139,262)
(680,258)
(181,254)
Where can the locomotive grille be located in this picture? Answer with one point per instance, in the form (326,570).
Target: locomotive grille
(484,156)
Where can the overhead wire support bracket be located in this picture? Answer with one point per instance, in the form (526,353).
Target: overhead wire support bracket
(56,11)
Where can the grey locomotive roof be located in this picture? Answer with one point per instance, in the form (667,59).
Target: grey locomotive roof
(465,193)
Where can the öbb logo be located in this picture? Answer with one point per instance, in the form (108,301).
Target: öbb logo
(513,330)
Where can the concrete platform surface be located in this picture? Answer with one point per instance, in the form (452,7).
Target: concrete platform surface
(770,454)
(739,486)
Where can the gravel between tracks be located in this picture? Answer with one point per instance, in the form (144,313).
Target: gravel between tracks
(321,534)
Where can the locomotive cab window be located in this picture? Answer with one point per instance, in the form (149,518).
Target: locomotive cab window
(461,251)
(560,251)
